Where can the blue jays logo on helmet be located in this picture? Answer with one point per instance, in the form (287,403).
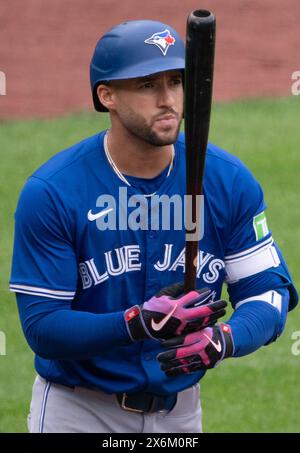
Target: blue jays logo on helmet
(163,40)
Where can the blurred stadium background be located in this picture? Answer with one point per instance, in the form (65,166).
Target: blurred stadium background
(45,49)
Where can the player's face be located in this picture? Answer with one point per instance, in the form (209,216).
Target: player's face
(151,107)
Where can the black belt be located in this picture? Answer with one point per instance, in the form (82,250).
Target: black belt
(141,402)
(146,402)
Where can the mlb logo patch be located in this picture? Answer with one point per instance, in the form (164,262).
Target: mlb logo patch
(163,40)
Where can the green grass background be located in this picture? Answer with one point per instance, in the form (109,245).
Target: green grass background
(257,393)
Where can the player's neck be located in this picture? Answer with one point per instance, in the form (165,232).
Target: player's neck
(134,157)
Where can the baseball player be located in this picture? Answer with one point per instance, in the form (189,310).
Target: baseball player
(99,257)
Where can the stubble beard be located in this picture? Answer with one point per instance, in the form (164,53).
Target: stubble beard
(137,126)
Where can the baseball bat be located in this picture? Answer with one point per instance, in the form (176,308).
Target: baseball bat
(198,83)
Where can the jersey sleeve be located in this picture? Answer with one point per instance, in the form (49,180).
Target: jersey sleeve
(253,263)
(44,262)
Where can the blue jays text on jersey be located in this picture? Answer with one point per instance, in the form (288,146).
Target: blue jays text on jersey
(61,253)
(127,259)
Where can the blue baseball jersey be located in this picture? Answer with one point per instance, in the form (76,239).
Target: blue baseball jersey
(86,239)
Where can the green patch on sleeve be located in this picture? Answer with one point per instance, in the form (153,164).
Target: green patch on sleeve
(260,226)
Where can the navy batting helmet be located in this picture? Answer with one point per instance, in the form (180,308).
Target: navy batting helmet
(135,49)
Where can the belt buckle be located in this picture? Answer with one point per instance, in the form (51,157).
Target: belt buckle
(126,408)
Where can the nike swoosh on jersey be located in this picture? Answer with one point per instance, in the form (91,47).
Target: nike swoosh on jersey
(159,325)
(93,217)
(218,345)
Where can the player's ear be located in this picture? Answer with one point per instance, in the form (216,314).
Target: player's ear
(105,95)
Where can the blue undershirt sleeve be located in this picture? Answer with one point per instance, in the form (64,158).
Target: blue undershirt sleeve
(257,323)
(55,332)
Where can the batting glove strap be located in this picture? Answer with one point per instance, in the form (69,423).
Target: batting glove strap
(135,324)
(225,332)
(138,324)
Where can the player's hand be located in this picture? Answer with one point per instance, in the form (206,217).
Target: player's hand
(197,351)
(171,313)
